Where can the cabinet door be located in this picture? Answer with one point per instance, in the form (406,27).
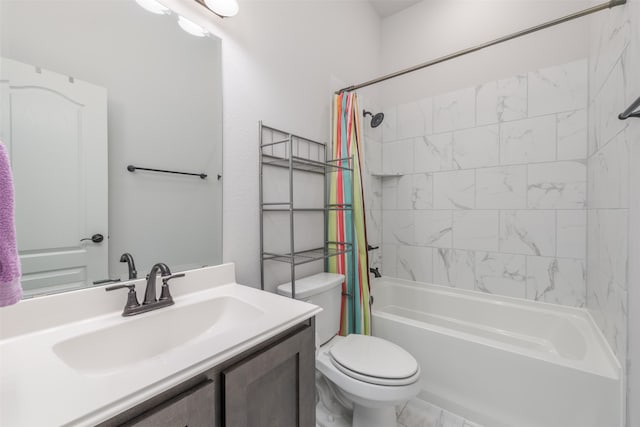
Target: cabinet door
(193,408)
(275,388)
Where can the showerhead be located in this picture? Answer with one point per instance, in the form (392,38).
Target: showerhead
(376,119)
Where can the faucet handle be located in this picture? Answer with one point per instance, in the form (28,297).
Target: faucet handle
(165,294)
(171,276)
(132,297)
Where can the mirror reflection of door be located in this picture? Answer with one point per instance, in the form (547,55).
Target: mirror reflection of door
(55,128)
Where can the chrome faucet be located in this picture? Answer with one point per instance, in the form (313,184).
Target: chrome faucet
(150,302)
(128,258)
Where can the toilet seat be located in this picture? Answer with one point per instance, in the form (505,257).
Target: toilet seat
(364,393)
(374,361)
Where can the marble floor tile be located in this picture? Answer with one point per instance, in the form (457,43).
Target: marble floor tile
(415,413)
(418,413)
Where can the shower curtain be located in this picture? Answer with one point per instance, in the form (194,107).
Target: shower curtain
(345,188)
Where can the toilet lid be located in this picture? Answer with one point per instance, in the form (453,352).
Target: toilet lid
(365,357)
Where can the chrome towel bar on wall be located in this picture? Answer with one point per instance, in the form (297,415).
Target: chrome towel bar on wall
(632,111)
(132,168)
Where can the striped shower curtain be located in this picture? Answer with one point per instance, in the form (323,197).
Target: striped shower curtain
(345,188)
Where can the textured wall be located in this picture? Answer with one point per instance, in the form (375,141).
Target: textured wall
(491,186)
(613,201)
(608,171)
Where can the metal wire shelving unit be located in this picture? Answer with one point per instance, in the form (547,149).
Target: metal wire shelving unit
(281,149)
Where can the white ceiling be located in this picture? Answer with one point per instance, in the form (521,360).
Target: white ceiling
(387,8)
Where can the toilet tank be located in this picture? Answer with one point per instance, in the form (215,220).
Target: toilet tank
(325,291)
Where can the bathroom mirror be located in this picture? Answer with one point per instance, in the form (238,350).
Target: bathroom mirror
(87,89)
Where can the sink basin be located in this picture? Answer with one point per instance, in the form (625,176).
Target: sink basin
(141,337)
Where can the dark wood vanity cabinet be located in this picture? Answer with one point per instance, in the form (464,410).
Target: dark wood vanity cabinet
(270,385)
(195,407)
(273,388)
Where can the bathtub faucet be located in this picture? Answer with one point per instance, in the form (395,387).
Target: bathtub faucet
(376,272)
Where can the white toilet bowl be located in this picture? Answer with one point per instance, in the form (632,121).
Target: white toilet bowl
(372,373)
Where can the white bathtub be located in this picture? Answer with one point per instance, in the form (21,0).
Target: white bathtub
(499,361)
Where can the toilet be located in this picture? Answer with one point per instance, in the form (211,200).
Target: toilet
(372,373)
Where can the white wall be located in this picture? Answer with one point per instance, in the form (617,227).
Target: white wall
(434,28)
(281,61)
(268,76)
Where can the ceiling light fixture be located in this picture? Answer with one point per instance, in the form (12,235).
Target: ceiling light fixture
(224,8)
(191,27)
(153,6)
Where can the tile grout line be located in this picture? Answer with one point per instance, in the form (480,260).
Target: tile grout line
(526,277)
(499,211)
(589,156)
(556,136)
(529,255)
(556,233)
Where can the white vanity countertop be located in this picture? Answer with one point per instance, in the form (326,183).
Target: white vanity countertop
(38,388)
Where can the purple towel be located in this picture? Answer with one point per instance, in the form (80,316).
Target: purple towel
(10,287)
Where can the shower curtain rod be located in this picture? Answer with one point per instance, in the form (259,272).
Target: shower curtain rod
(607,5)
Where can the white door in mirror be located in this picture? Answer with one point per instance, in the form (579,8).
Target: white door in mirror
(56,134)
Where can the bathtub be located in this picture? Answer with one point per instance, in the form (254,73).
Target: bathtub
(499,361)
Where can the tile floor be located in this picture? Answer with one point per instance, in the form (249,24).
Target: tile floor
(418,413)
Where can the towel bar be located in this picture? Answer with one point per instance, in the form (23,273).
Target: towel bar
(132,168)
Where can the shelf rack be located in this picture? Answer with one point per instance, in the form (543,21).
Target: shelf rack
(299,154)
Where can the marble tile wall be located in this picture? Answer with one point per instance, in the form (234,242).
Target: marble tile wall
(371,151)
(485,188)
(614,68)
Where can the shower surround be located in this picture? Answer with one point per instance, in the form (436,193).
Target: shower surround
(525,186)
(614,67)
(485,188)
